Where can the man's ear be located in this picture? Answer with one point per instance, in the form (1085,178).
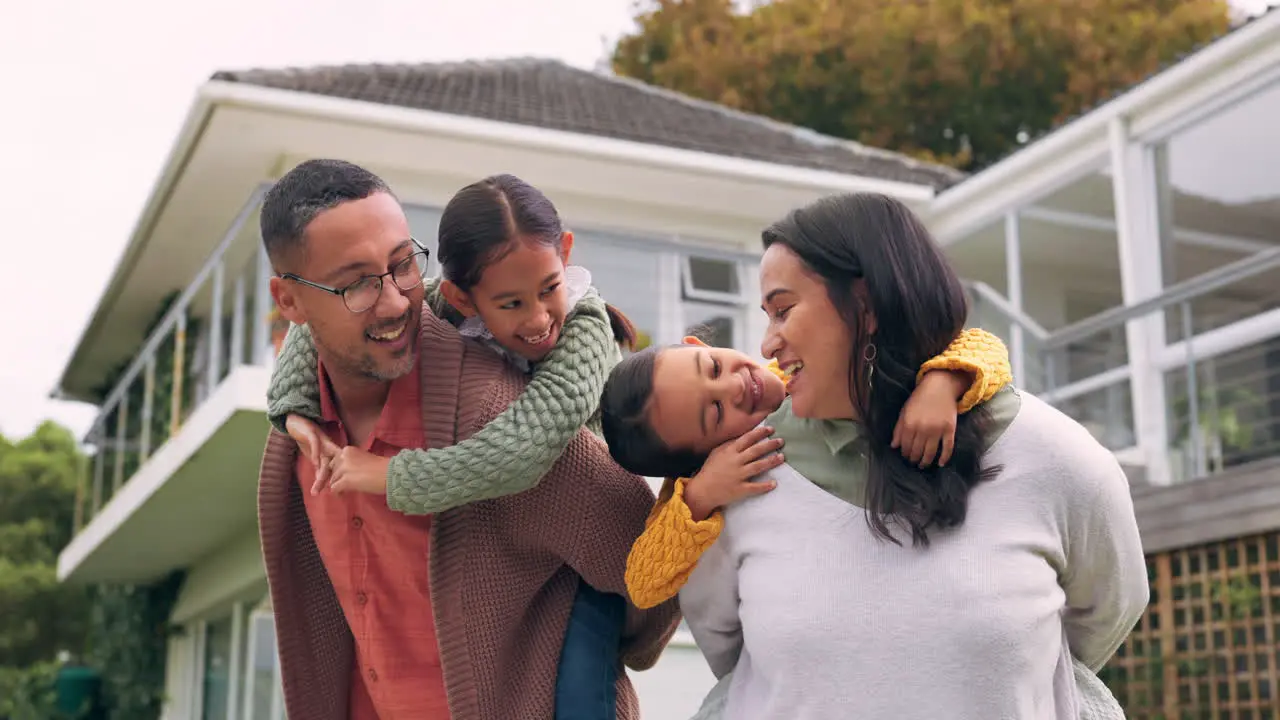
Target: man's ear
(284,293)
(460,300)
(566,246)
(691,340)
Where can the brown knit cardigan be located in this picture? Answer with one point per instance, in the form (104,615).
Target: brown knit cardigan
(503,572)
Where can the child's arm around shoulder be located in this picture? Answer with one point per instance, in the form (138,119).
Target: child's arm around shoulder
(667,551)
(968,373)
(982,356)
(512,452)
(686,519)
(294,388)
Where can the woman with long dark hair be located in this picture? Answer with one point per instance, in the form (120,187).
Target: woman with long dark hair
(866,586)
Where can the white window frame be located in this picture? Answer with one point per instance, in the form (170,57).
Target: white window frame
(240,680)
(733,305)
(196,696)
(277,698)
(710,296)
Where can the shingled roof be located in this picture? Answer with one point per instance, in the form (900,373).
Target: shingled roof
(550,94)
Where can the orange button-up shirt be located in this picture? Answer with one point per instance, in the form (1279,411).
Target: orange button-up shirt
(377,562)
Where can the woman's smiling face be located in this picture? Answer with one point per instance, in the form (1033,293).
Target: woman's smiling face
(806,335)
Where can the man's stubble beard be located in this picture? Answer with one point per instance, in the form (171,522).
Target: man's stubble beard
(361,363)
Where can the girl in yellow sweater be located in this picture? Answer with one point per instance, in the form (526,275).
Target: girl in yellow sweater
(686,519)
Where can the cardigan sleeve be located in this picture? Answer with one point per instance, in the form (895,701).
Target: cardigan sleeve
(589,513)
(294,388)
(512,452)
(668,550)
(983,356)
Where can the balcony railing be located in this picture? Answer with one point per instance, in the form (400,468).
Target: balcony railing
(1221,368)
(1218,366)
(217,323)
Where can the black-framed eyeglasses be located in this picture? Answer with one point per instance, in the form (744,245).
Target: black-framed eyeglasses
(364,292)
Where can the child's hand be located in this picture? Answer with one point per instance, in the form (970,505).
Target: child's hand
(726,476)
(314,445)
(358,470)
(927,426)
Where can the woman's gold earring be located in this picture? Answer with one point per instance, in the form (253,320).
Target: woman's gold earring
(869,357)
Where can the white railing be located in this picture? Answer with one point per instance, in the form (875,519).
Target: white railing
(216,323)
(1220,368)
(1221,371)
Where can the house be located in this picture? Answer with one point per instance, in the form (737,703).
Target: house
(1126,257)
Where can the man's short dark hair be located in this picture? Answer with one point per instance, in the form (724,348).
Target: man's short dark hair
(303,193)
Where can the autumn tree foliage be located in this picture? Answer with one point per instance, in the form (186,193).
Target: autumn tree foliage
(961,82)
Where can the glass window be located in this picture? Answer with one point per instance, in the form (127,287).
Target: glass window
(217,669)
(1219,199)
(627,277)
(713,275)
(715,325)
(260,670)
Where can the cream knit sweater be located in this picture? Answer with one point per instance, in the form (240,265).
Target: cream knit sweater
(818,619)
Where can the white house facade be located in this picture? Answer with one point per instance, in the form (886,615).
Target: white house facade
(1130,259)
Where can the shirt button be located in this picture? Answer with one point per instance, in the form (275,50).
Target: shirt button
(373,675)
(357,522)
(361,598)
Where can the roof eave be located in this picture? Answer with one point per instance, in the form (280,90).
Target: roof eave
(503,133)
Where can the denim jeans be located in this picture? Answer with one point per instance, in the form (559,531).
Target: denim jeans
(589,661)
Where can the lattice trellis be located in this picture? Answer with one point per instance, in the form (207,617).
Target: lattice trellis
(1208,646)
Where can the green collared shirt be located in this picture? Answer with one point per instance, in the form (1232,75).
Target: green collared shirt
(833,453)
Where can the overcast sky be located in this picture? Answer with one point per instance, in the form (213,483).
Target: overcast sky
(94,92)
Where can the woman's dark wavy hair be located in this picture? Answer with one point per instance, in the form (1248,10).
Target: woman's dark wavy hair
(920,307)
(482,223)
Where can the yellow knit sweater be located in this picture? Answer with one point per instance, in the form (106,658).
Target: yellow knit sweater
(663,556)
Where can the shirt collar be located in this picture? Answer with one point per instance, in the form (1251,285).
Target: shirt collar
(836,435)
(400,423)
(839,434)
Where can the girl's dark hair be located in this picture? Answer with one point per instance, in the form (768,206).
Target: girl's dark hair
(624,422)
(484,220)
(920,307)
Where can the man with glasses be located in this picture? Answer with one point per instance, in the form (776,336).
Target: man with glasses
(456,616)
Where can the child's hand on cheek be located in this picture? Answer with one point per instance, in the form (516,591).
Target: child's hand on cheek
(726,476)
(926,429)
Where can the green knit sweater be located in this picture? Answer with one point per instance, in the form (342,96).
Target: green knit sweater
(507,456)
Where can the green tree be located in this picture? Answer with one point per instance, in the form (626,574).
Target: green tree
(39,618)
(961,82)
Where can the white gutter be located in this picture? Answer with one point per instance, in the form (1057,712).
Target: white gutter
(183,146)
(557,141)
(1081,145)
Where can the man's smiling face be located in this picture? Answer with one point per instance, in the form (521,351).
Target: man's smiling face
(354,239)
